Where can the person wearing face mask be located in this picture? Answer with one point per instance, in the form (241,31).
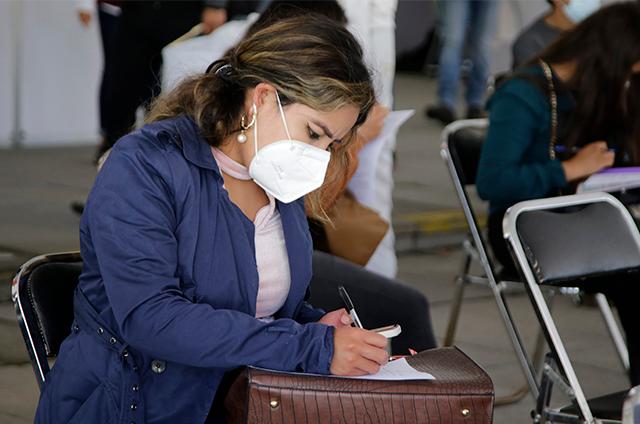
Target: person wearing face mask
(563,116)
(378,296)
(564,15)
(195,245)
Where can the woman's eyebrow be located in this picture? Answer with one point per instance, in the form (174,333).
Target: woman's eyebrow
(326,130)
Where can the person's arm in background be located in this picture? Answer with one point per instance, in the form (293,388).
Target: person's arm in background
(590,159)
(214,14)
(85,10)
(372,126)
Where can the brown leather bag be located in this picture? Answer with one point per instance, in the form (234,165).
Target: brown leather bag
(462,393)
(355,230)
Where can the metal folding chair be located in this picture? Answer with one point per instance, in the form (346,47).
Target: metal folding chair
(461,147)
(42,293)
(570,241)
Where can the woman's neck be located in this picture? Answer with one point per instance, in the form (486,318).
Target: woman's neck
(239,152)
(558,20)
(564,71)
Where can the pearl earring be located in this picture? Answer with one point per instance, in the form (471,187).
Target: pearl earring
(242,137)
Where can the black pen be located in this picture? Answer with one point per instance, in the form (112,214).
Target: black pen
(574,149)
(349,306)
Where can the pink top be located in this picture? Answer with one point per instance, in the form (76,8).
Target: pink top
(271,252)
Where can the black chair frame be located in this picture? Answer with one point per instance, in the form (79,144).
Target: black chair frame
(40,341)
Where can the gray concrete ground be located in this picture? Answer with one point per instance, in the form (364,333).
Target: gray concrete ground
(37,186)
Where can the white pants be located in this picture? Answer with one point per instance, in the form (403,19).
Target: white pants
(373,24)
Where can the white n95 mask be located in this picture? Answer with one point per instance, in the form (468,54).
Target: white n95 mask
(578,10)
(287,169)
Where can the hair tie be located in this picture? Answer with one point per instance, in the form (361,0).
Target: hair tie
(223,72)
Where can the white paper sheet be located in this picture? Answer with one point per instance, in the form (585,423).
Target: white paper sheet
(191,57)
(362,184)
(397,370)
(612,180)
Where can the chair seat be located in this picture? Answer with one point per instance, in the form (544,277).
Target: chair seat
(607,407)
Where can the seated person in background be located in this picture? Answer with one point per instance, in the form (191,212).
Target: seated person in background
(594,72)
(197,254)
(380,301)
(563,16)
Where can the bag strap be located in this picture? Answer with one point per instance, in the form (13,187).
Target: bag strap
(553,99)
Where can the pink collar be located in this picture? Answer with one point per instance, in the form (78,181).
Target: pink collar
(236,170)
(230,166)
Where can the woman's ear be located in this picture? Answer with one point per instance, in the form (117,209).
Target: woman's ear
(261,93)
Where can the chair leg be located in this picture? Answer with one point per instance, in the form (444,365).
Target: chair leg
(530,385)
(452,325)
(544,397)
(458,295)
(567,376)
(518,394)
(516,340)
(614,329)
(543,414)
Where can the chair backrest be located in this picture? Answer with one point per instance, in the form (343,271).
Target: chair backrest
(42,293)
(464,140)
(575,238)
(461,147)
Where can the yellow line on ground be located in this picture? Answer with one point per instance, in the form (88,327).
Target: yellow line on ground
(440,221)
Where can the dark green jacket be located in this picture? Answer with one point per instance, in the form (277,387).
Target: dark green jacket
(515,163)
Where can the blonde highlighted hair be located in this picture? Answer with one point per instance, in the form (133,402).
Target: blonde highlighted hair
(310,60)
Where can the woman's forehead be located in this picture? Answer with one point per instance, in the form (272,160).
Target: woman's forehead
(338,122)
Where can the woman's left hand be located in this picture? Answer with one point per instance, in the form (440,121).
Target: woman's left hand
(372,126)
(212,18)
(337,318)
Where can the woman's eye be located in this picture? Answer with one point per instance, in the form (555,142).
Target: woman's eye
(312,134)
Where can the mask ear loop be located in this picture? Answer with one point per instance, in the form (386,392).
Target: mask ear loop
(255,128)
(284,121)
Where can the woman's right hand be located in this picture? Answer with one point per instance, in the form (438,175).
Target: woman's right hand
(85,17)
(590,159)
(357,351)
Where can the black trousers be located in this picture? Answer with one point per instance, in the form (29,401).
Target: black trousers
(144,28)
(379,301)
(108,27)
(623,295)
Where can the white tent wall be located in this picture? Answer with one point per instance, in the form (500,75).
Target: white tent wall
(513,16)
(60,66)
(6,74)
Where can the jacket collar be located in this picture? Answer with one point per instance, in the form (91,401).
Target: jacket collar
(194,147)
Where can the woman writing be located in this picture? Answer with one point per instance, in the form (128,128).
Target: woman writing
(196,250)
(581,95)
